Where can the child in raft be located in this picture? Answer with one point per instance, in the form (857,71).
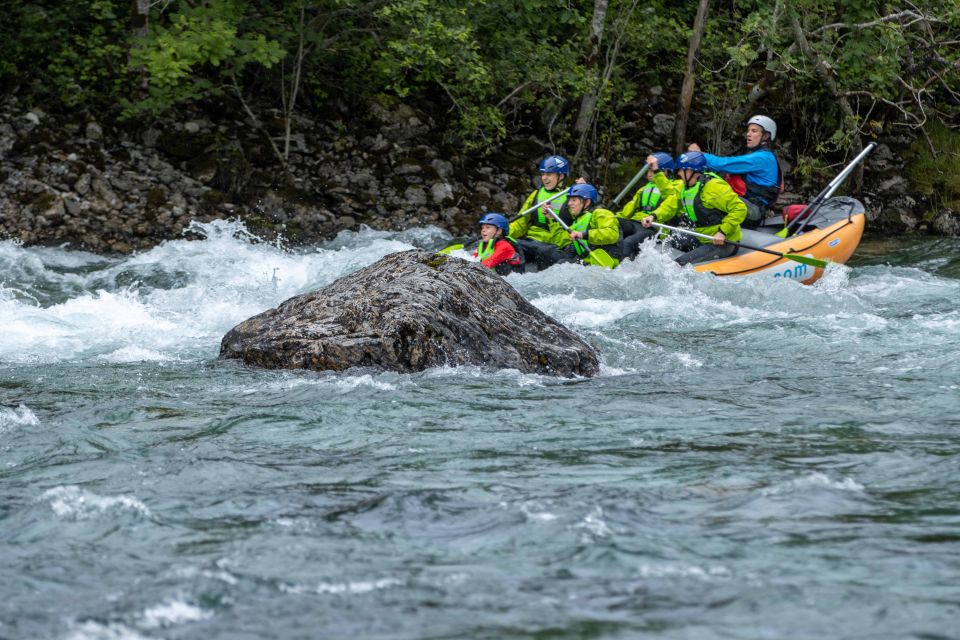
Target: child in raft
(497,250)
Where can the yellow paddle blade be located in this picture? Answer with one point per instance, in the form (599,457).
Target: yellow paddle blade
(813,262)
(603,259)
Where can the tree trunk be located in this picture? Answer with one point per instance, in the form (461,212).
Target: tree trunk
(588,103)
(762,87)
(139,14)
(689,78)
(139,28)
(289,104)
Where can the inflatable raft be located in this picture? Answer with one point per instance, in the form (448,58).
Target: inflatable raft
(832,233)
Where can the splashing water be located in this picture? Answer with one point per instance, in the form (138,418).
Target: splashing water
(757,459)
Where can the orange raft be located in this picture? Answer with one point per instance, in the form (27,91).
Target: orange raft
(832,234)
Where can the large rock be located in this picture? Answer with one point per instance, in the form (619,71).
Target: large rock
(410,311)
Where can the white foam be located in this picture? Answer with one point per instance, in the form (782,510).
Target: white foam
(945,323)
(514,376)
(814,481)
(91,630)
(192,572)
(609,371)
(341,588)
(532,512)
(21,416)
(573,310)
(835,279)
(136,354)
(595,524)
(686,360)
(353,382)
(684,571)
(172,612)
(72,502)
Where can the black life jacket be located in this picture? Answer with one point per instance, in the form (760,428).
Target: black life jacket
(514,264)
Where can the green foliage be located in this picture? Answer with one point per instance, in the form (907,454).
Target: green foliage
(498,68)
(937,177)
(200,51)
(476,54)
(72,51)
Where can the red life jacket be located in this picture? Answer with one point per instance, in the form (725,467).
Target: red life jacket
(792,211)
(737,183)
(762,196)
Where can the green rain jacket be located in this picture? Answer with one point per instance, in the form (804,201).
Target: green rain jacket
(645,201)
(651,195)
(714,194)
(553,234)
(601,231)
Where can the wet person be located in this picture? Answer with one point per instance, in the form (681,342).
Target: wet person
(497,250)
(754,172)
(594,235)
(537,232)
(706,204)
(645,201)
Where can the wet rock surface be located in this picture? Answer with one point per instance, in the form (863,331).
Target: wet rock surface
(410,311)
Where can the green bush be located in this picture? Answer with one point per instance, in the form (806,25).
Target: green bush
(937,176)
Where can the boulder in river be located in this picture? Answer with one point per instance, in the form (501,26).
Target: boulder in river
(408,312)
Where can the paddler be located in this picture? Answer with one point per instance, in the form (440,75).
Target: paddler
(645,201)
(497,250)
(708,205)
(537,232)
(594,235)
(754,173)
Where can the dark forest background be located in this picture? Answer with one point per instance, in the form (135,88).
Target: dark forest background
(586,77)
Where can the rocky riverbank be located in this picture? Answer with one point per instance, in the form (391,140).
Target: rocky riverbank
(120,187)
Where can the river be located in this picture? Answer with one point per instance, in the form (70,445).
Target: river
(758,459)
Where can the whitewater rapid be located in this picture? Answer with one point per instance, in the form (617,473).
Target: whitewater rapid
(175,301)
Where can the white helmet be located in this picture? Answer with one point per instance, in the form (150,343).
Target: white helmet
(765,123)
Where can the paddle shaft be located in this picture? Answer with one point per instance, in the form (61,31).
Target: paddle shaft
(834,184)
(789,256)
(539,204)
(454,247)
(631,184)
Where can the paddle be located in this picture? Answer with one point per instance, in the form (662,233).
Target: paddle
(631,184)
(828,191)
(603,258)
(456,247)
(813,262)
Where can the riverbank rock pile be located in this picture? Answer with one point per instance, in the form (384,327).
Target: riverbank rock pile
(115,187)
(118,188)
(411,311)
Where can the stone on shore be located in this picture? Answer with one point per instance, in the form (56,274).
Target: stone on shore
(411,311)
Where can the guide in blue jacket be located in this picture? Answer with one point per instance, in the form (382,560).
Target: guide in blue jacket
(754,173)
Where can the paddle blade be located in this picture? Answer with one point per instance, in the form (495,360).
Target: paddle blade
(453,247)
(603,259)
(813,262)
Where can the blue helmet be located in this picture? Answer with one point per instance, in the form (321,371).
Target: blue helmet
(555,164)
(664,161)
(496,219)
(584,191)
(692,160)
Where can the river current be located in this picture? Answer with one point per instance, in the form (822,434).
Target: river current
(758,458)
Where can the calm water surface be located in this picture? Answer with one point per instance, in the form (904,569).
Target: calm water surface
(759,459)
